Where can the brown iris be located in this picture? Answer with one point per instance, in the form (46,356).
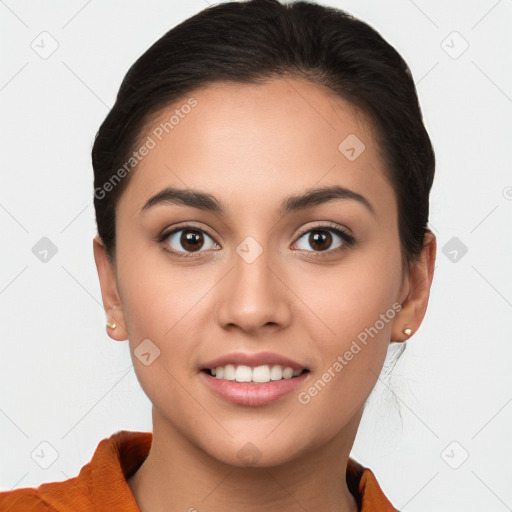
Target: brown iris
(320,236)
(192,240)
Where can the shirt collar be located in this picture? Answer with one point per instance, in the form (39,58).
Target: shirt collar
(103,481)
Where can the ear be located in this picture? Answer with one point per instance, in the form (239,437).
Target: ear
(416,290)
(109,292)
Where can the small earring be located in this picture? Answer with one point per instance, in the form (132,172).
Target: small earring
(407,332)
(111,325)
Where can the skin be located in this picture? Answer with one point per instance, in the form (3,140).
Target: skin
(250,146)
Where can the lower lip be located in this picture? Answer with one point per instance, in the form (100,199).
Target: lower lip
(251,394)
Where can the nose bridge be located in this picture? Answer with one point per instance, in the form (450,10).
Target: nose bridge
(253,296)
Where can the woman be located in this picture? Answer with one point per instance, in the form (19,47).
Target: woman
(262,196)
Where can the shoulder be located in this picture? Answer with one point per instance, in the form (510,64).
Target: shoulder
(71,495)
(365,488)
(25,499)
(100,485)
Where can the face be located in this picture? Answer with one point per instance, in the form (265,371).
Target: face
(317,282)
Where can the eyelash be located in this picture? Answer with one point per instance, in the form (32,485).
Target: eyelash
(348,240)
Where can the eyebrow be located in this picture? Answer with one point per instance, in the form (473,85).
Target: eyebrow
(291,204)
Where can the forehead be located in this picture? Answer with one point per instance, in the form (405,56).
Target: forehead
(250,142)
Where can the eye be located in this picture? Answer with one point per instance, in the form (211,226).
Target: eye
(321,240)
(189,238)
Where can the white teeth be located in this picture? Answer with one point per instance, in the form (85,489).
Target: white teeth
(243,373)
(276,373)
(287,373)
(229,372)
(258,374)
(261,373)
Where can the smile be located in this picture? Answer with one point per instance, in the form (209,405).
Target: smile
(253,379)
(256,375)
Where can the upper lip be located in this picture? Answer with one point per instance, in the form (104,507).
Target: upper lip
(253,360)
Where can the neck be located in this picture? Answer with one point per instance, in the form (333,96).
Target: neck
(178,476)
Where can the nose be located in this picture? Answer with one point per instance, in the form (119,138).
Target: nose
(254,296)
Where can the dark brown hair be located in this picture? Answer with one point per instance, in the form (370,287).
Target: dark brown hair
(253,42)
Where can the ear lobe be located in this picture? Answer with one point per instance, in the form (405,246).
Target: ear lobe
(419,281)
(109,292)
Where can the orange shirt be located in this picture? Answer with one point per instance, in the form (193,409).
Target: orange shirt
(101,484)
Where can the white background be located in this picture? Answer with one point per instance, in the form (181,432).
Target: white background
(64,381)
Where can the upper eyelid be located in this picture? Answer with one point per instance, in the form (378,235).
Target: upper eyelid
(175,229)
(322,224)
(325,224)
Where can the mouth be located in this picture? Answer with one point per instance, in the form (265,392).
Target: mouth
(253,386)
(254,374)
(253,379)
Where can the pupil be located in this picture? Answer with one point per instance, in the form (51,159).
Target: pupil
(191,240)
(320,236)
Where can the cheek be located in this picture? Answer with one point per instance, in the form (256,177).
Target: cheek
(155,293)
(166,304)
(352,296)
(356,304)
(165,308)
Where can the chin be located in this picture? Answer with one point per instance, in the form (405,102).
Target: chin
(258,453)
